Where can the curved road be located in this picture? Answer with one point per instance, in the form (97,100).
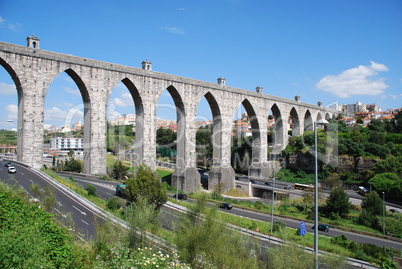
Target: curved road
(106,190)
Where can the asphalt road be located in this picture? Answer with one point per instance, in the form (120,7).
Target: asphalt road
(71,212)
(106,189)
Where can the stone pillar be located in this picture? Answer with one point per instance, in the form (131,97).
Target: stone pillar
(259,165)
(95,124)
(186,175)
(221,171)
(30,119)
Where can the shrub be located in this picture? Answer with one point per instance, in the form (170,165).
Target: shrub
(278,226)
(91,190)
(113,203)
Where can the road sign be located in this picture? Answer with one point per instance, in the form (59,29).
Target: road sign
(303,230)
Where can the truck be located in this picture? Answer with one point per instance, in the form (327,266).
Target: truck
(121,190)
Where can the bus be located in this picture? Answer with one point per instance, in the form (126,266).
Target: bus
(304,187)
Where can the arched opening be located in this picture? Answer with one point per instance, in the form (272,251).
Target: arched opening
(275,132)
(170,144)
(294,123)
(122,119)
(66,123)
(208,136)
(308,121)
(327,116)
(245,138)
(10,91)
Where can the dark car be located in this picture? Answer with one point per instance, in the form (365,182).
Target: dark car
(267,183)
(181,196)
(288,187)
(393,211)
(8,164)
(322,227)
(225,206)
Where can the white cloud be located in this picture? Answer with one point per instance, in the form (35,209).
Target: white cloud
(7,89)
(355,81)
(394,97)
(1,21)
(55,114)
(72,91)
(12,112)
(125,100)
(173,30)
(15,27)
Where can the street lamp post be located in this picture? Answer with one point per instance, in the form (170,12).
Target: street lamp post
(272,204)
(321,122)
(383,213)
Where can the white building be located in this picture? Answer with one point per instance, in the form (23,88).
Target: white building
(65,144)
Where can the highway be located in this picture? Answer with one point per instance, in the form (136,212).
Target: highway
(84,218)
(68,208)
(106,189)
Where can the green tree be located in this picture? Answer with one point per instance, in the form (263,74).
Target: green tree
(147,184)
(73,165)
(204,240)
(372,203)
(119,171)
(338,203)
(390,165)
(390,183)
(165,137)
(141,215)
(398,122)
(371,209)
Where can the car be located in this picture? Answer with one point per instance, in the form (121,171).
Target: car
(393,211)
(181,196)
(322,227)
(225,206)
(252,181)
(288,187)
(8,164)
(11,169)
(267,183)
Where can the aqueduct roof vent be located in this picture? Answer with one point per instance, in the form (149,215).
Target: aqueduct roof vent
(319,104)
(298,98)
(33,42)
(222,81)
(259,89)
(147,65)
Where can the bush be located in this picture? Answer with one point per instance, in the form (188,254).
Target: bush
(91,190)
(113,203)
(278,226)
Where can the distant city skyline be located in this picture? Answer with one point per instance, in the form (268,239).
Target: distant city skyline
(335,52)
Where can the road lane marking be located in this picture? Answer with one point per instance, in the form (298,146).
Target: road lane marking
(82,212)
(85,222)
(61,214)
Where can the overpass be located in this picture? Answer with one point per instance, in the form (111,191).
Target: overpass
(33,70)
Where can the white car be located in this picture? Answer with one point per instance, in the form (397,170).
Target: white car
(12,169)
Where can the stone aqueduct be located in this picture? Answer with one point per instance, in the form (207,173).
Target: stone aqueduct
(33,70)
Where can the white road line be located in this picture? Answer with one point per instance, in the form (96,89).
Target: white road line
(61,214)
(82,212)
(85,222)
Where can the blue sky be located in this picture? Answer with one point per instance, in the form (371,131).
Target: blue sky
(330,51)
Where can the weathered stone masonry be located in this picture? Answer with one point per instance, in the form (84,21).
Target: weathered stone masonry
(33,70)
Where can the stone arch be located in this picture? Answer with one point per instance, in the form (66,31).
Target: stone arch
(327,116)
(216,127)
(319,116)
(181,123)
(138,153)
(308,121)
(278,139)
(16,79)
(294,117)
(86,111)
